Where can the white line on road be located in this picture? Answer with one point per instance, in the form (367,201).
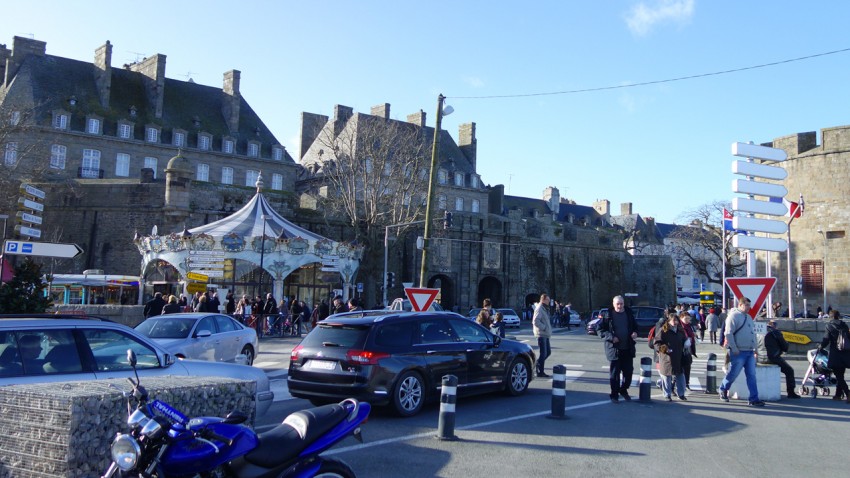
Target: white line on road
(266,364)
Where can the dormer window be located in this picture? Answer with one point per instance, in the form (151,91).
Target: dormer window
(458,179)
(204,142)
(60,121)
(93,126)
(179,139)
(277,153)
(125,131)
(253,149)
(152,134)
(227,146)
(474,180)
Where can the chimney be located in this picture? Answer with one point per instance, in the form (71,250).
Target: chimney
(602,207)
(381,110)
(5,54)
(625,208)
(21,48)
(467,142)
(103,72)
(341,116)
(154,69)
(553,200)
(417,118)
(311,127)
(232,100)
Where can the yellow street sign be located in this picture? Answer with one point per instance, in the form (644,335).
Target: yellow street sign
(197,277)
(193,287)
(796,338)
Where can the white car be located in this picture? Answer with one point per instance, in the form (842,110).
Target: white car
(404,305)
(202,336)
(510,317)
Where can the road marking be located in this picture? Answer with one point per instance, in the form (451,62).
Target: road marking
(266,364)
(571,365)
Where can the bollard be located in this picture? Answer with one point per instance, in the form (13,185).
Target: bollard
(645,394)
(448,398)
(711,374)
(559,392)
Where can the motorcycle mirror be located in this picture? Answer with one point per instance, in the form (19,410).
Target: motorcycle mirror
(131,357)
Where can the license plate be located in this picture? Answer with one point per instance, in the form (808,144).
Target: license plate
(320,365)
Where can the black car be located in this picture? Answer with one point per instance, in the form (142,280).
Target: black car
(645,316)
(400,359)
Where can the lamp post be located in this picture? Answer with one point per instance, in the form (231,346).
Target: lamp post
(4,217)
(825,255)
(386,253)
(429,206)
(260,317)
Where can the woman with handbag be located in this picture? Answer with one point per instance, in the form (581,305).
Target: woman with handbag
(670,345)
(690,350)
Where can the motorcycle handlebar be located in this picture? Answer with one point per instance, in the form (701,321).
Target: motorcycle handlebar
(215,436)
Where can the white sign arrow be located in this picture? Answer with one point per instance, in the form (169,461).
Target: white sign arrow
(742,223)
(759,152)
(45,249)
(758,207)
(758,189)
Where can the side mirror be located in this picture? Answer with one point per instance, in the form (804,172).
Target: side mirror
(202,333)
(131,358)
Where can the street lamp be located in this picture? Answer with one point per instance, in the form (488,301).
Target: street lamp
(4,217)
(823,273)
(260,317)
(429,210)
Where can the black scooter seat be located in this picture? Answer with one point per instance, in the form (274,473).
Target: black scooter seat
(297,432)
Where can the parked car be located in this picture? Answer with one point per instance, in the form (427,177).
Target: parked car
(510,317)
(403,305)
(645,316)
(400,359)
(575,318)
(39,350)
(202,336)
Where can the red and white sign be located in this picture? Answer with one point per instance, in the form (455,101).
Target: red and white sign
(421,298)
(753,288)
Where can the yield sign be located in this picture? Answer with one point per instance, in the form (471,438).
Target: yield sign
(421,298)
(753,288)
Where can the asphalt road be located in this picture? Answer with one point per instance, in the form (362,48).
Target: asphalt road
(513,436)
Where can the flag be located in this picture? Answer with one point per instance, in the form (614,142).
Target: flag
(794,209)
(727,220)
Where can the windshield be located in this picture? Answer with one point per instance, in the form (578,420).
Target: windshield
(166,328)
(507,311)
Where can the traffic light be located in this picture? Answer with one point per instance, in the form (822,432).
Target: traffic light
(447,220)
(390,279)
(799,286)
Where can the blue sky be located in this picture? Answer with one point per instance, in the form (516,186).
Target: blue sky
(665,147)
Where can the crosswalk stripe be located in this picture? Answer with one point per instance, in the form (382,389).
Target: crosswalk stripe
(266,364)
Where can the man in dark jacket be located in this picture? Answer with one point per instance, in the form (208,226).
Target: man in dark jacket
(619,331)
(774,346)
(155,305)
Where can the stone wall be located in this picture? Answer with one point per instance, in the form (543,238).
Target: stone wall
(65,429)
(129,315)
(814,329)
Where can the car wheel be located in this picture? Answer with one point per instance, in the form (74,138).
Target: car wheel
(518,377)
(409,394)
(248,352)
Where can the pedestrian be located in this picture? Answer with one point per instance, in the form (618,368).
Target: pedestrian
(172,307)
(201,306)
(214,305)
(314,316)
(183,303)
(712,323)
(619,331)
(270,312)
(542,327)
(487,304)
(837,337)
(324,310)
(154,306)
(195,299)
(699,326)
(230,304)
(741,343)
(483,318)
(243,309)
(771,347)
(690,350)
(354,305)
(304,318)
(498,325)
(295,315)
(671,345)
(339,305)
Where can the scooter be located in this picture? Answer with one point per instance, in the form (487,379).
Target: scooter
(164,443)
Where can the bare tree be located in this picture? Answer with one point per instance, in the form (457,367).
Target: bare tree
(700,243)
(373,172)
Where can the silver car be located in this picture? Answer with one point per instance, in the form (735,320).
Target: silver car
(40,350)
(202,336)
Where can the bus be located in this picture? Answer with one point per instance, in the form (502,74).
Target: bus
(707,298)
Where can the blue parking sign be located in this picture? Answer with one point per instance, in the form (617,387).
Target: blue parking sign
(11,247)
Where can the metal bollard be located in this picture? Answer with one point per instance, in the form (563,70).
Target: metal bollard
(559,392)
(448,398)
(645,394)
(711,374)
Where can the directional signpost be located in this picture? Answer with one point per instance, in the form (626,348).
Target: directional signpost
(30,204)
(45,249)
(421,298)
(206,264)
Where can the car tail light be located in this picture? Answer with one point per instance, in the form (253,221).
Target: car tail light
(365,357)
(293,356)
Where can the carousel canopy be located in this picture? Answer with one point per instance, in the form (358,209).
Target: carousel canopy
(248,221)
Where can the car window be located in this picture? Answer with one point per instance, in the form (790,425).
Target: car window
(225,323)
(166,328)
(39,352)
(435,332)
(347,336)
(507,311)
(397,335)
(109,348)
(470,331)
(207,323)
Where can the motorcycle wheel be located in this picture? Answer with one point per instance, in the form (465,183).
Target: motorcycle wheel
(332,468)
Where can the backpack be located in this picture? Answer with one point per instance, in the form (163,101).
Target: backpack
(651,338)
(842,341)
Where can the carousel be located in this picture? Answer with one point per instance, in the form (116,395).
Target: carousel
(251,252)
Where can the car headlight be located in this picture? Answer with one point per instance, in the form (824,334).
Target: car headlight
(125,452)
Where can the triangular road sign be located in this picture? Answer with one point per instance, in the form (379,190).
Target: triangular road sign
(753,288)
(421,298)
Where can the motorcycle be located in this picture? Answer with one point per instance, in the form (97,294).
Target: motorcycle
(164,443)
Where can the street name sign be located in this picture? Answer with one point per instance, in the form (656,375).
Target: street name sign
(796,338)
(759,170)
(421,298)
(32,191)
(26,203)
(744,186)
(743,223)
(28,218)
(207,273)
(753,288)
(759,243)
(747,150)
(193,287)
(755,206)
(197,276)
(45,249)
(28,231)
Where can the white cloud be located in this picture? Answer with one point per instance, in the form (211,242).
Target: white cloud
(473,81)
(645,15)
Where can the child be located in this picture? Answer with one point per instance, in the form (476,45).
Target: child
(498,327)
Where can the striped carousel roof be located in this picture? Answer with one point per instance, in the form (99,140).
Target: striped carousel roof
(248,222)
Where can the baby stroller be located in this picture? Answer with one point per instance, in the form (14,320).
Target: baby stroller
(818,373)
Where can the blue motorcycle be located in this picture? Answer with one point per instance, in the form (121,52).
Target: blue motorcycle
(164,443)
